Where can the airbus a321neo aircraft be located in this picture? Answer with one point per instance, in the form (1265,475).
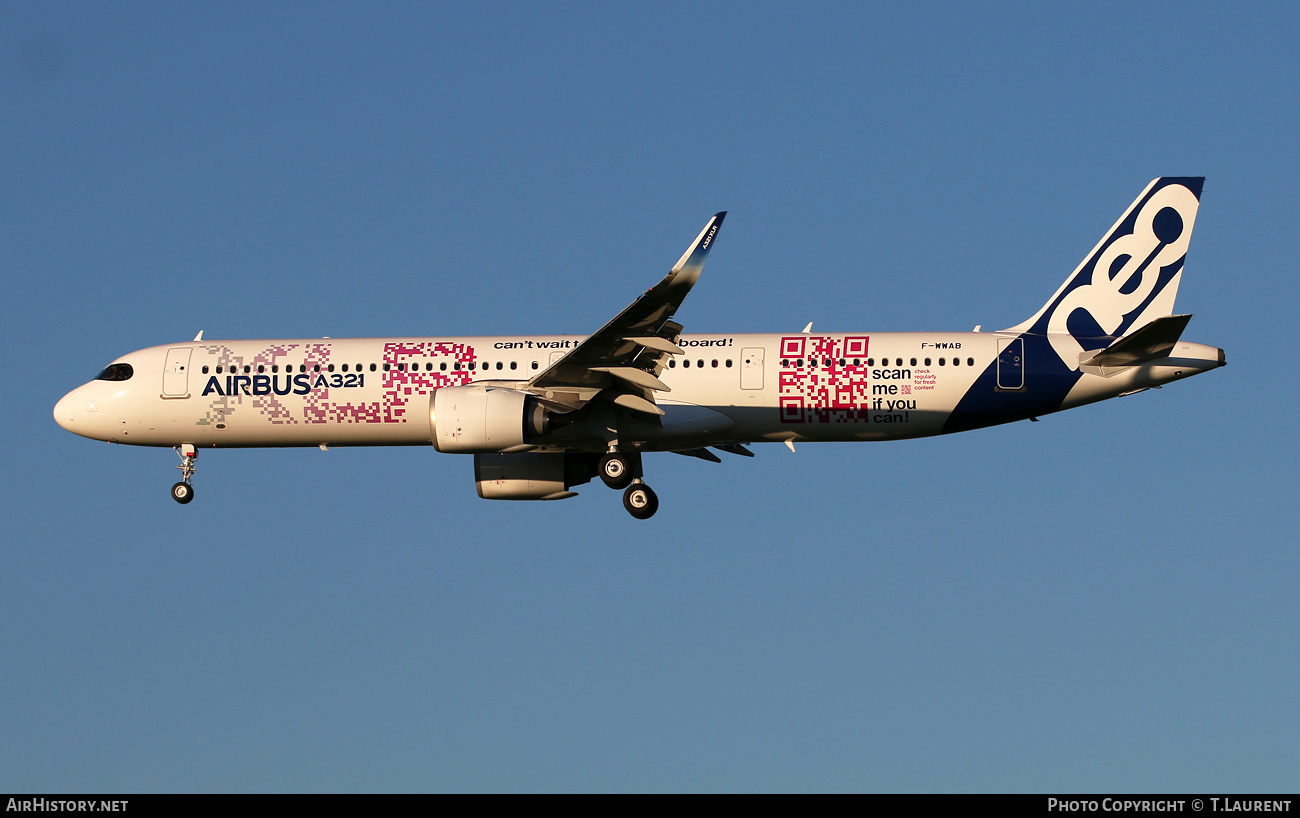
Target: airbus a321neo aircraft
(542,414)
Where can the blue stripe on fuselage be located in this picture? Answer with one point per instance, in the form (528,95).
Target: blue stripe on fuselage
(1047,381)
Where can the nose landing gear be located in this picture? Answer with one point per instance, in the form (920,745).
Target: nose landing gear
(183,492)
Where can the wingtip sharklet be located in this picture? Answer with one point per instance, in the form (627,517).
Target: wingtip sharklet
(694,256)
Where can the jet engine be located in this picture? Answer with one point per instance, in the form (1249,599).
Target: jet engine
(470,419)
(531,475)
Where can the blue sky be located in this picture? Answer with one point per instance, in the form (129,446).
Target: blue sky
(1101,601)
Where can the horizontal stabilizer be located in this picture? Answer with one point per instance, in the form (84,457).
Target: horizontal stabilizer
(1155,340)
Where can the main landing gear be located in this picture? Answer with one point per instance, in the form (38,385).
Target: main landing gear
(183,492)
(619,469)
(640,501)
(622,470)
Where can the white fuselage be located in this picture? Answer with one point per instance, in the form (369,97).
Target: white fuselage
(725,389)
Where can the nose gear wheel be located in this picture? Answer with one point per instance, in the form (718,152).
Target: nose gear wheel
(183,492)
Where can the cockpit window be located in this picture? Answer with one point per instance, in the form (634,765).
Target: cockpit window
(116,372)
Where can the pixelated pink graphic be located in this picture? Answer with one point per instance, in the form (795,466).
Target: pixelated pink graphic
(400,386)
(823,390)
(275,406)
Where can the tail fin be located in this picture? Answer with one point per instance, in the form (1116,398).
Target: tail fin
(1130,278)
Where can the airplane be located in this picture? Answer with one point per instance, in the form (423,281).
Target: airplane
(543,414)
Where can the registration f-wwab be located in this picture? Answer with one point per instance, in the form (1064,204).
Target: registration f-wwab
(541,415)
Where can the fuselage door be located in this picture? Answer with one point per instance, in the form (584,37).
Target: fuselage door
(751,368)
(1011,364)
(176,376)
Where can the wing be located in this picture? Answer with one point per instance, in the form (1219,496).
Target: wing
(627,354)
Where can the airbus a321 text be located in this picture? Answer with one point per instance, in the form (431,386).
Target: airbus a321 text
(541,415)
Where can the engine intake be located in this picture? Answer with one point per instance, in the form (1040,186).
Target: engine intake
(473,419)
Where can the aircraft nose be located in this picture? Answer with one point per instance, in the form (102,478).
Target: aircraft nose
(64,413)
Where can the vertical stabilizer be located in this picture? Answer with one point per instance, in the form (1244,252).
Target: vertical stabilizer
(1129,279)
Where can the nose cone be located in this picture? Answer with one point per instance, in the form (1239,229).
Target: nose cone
(92,410)
(65,414)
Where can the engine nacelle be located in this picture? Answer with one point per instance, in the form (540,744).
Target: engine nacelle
(531,475)
(470,419)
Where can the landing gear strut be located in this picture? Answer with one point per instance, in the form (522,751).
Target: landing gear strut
(183,492)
